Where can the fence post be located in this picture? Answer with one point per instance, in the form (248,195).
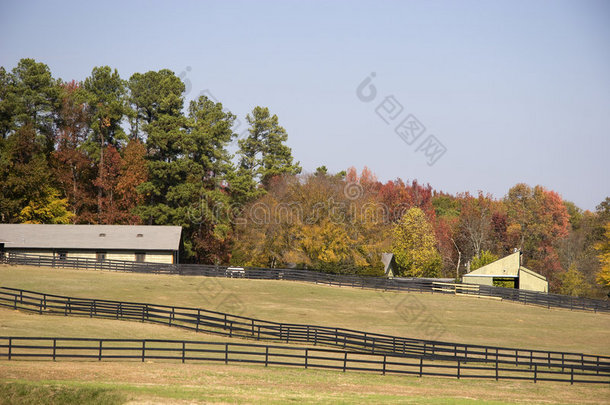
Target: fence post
(597,370)
(572,375)
(306,354)
(315,337)
(10,347)
(226,353)
(384,362)
(421,366)
(99,355)
(143,350)
(458,369)
(231,329)
(496,367)
(183,351)
(266,355)
(344,362)
(535,372)
(40,307)
(54,348)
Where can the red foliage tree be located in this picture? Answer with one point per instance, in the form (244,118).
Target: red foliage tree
(73,169)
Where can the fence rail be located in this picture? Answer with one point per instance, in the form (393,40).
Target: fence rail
(92,349)
(312,276)
(202,320)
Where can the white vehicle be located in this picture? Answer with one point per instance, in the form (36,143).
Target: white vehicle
(235,272)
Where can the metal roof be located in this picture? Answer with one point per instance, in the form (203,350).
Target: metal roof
(125,237)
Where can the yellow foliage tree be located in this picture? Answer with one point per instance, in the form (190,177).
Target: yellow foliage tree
(573,282)
(49,209)
(414,246)
(603,247)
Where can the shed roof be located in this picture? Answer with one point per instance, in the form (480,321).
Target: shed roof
(122,237)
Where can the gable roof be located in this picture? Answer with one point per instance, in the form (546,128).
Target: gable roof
(95,237)
(506,266)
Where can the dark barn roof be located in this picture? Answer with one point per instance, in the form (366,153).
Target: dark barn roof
(122,237)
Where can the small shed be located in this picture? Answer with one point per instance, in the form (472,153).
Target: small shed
(508,272)
(389,264)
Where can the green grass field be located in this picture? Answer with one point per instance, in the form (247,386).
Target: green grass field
(462,319)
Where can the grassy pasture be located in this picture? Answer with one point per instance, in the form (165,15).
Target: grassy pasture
(463,319)
(152,383)
(459,319)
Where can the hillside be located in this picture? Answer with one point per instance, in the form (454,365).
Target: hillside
(428,316)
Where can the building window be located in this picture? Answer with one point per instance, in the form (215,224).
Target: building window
(100,256)
(62,255)
(140,257)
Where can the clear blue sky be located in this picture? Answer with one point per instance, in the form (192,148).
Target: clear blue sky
(517,91)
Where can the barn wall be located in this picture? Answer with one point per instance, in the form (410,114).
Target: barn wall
(127,255)
(528,280)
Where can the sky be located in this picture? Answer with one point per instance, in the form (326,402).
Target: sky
(486,94)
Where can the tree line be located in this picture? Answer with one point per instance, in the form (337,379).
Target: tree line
(109,150)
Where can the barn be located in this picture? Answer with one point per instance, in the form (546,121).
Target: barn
(508,272)
(138,243)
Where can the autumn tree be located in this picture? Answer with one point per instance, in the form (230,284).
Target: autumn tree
(538,220)
(414,246)
(74,170)
(572,282)
(48,209)
(311,221)
(25,174)
(107,107)
(133,173)
(603,249)
(107,183)
(475,223)
(399,196)
(483,259)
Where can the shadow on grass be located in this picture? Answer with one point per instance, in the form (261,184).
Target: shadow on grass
(47,394)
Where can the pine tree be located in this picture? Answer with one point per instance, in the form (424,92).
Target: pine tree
(188,167)
(263,154)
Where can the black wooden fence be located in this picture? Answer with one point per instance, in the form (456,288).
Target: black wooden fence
(201,320)
(312,276)
(92,349)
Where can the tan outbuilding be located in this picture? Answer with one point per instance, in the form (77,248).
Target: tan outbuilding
(509,272)
(139,243)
